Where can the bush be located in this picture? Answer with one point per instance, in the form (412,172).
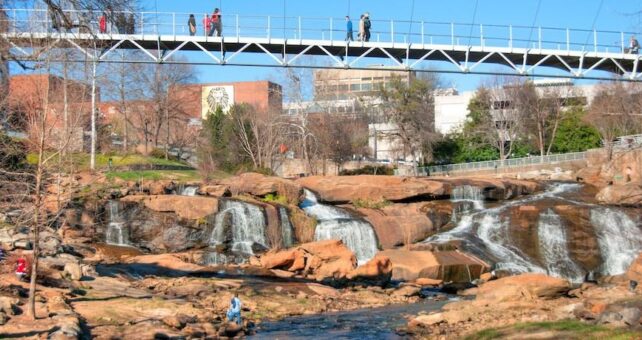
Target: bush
(369,170)
(370,204)
(272,198)
(13,153)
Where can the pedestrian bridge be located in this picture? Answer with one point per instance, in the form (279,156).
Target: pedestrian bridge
(284,41)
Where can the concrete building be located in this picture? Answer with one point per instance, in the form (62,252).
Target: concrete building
(349,84)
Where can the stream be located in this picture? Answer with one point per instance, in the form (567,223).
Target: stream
(370,323)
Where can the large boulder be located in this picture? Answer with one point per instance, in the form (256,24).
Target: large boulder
(528,286)
(399,224)
(188,207)
(635,270)
(323,260)
(260,185)
(377,271)
(625,194)
(344,189)
(453,266)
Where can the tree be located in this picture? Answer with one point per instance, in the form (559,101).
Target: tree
(159,83)
(409,106)
(340,137)
(615,111)
(574,134)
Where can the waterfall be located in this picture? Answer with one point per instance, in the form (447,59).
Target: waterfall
(468,193)
(337,224)
(553,247)
(286,228)
(189,191)
(247,226)
(619,239)
(117,233)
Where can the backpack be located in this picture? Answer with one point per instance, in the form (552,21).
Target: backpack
(366,23)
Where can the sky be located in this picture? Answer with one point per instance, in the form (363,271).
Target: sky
(603,15)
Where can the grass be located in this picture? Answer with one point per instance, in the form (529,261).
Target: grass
(271,198)
(154,175)
(564,329)
(81,160)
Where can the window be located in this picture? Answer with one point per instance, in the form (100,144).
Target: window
(355,87)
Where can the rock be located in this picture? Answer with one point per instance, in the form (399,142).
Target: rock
(73,271)
(260,185)
(230,330)
(188,207)
(398,224)
(174,322)
(407,291)
(323,260)
(190,289)
(216,190)
(426,320)
(377,271)
(598,308)
(3,318)
(8,305)
(630,316)
(282,273)
(612,318)
(22,244)
(422,281)
(486,277)
(635,270)
(624,194)
(345,189)
(453,266)
(523,287)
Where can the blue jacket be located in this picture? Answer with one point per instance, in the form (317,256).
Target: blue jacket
(349,23)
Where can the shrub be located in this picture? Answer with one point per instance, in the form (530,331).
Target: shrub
(370,204)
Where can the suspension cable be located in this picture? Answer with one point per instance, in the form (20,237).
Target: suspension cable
(535,18)
(472,24)
(597,14)
(412,15)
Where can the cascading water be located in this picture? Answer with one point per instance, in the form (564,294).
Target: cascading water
(553,247)
(469,193)
(619,239)
(117,233)
(336,224)
(286,228)
(189,191)
(485,234)
(247,226)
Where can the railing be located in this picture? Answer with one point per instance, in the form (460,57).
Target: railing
(628,142)
(332,29)
(498,164)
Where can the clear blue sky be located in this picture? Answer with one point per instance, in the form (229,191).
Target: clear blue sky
(615,15)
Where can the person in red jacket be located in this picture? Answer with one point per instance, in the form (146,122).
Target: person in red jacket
(207,24)
(21,269)
(217,25)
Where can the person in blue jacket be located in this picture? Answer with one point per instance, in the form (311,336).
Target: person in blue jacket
(234,312)
(348,29)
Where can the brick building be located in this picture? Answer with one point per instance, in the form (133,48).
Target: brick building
(30,94)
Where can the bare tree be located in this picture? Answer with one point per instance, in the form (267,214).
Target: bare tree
(616,111)
(409,106)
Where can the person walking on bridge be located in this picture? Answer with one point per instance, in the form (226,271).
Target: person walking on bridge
(191,23)
(217,25)
(348,29)
(634,46)
(366,26)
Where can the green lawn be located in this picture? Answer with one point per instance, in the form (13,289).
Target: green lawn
(565,329)
(153,175)
(81,160)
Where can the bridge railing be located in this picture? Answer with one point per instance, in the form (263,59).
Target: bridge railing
(330,29)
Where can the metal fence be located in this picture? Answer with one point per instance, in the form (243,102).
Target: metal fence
(498,164)
(327,28)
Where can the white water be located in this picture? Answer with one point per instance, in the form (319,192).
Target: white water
(286,228)
(553,247)
(189,191)
(336,224)
(485,234)
(468,193)
(117,233)
(247,223)
(619,239)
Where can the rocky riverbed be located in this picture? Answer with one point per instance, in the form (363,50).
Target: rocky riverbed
(353,256)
